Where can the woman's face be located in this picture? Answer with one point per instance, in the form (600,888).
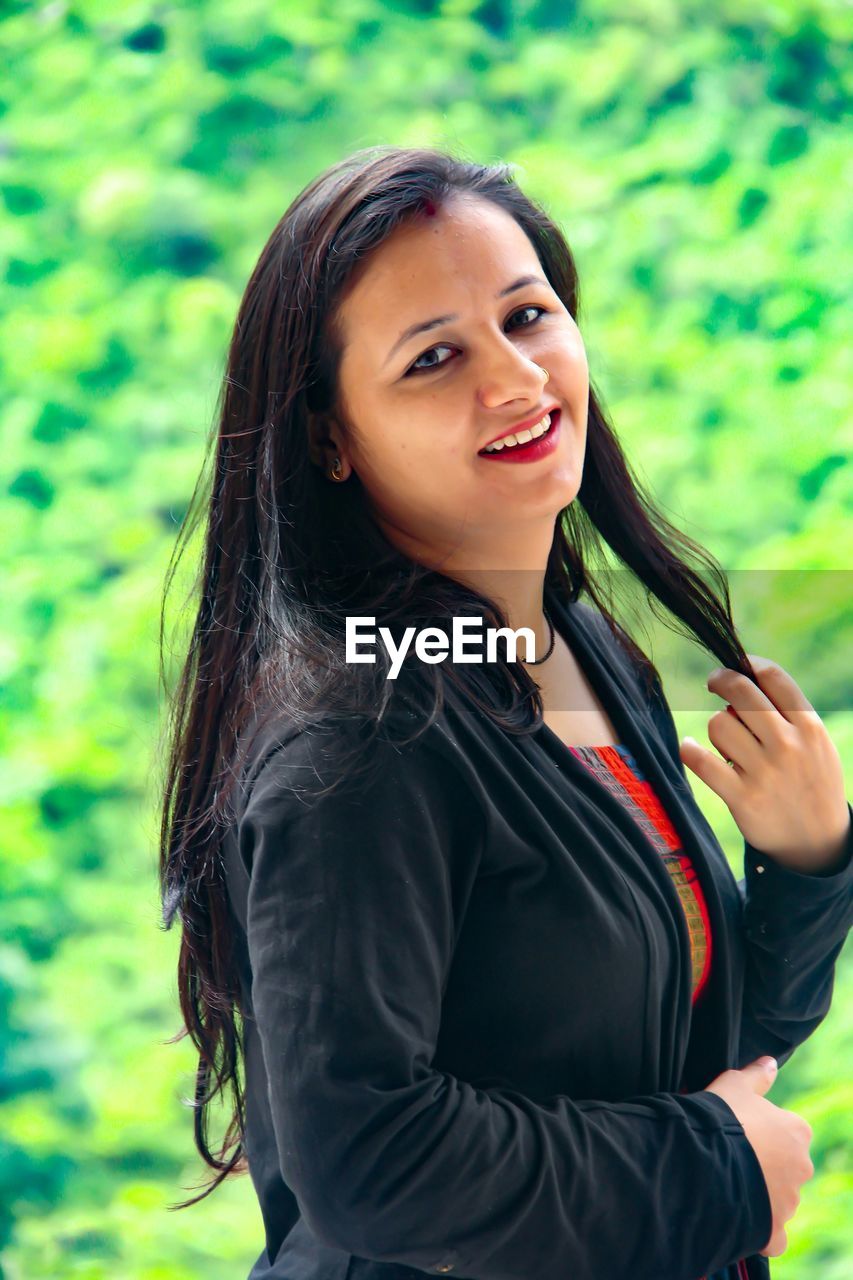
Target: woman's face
(419,409)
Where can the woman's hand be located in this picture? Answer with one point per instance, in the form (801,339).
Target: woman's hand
(784,783)
(780,1140)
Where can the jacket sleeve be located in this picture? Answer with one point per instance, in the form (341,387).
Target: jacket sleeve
(355,902)
(794,926)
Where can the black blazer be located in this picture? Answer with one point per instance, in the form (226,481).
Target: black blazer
(470,1044)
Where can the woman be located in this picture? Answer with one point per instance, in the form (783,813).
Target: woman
(504,1011)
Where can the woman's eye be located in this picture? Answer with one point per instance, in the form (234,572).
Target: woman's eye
(427,368)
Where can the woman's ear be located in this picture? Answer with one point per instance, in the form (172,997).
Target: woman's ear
(322,448)
(326,443)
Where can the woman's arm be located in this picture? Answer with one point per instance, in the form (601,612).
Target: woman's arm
(795,926)
(355,903)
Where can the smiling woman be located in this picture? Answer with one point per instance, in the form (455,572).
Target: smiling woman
(413,433)
(474,999)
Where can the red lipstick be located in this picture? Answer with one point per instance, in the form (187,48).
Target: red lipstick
(533,450)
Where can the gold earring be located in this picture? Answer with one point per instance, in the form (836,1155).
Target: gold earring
(337,471)
(545,371)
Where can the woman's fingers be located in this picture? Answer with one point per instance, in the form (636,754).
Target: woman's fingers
(775,767)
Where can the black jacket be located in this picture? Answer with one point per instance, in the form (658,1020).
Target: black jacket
(470,1046)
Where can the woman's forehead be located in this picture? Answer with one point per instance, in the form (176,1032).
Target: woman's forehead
(427,271)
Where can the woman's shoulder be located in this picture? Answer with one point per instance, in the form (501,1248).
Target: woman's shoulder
(341,789)
(348,754)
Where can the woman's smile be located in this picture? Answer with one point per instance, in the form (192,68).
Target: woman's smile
(530,450)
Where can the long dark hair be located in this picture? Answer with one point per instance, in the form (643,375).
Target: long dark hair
(287,554)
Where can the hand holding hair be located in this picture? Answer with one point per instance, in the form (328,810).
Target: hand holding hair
(783,781)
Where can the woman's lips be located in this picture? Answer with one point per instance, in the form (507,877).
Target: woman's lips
(533,450)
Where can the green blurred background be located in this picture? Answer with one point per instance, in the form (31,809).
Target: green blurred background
(693,153)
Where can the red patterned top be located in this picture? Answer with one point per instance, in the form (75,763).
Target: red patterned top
(616,768)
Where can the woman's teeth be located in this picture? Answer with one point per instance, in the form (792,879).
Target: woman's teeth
(523,437)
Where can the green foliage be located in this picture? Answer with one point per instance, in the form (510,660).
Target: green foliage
(694,156)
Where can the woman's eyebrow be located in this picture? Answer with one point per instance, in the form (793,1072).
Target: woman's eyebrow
(420,327)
